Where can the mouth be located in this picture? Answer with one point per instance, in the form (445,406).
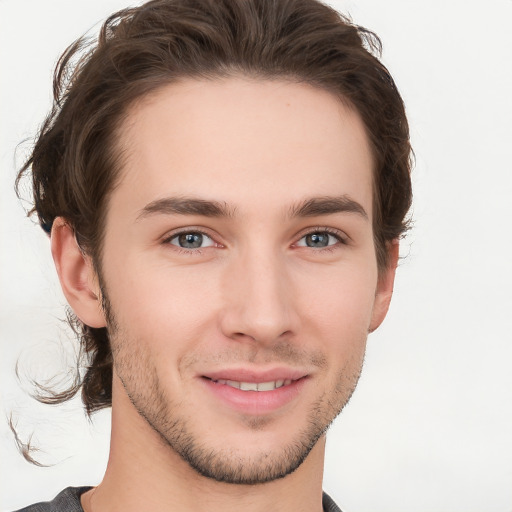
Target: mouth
(255,393)
(254,386)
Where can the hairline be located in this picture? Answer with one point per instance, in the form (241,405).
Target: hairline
(125,121)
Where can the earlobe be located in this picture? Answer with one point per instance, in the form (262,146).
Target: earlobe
(76,274)
(385,287)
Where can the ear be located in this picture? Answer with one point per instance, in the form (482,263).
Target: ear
(77,277)
(385,284)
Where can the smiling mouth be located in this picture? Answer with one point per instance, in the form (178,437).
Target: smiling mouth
(254,386)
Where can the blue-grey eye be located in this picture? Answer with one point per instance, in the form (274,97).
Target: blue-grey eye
(192,240)
(318,239)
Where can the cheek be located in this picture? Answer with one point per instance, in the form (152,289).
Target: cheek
(161,304)
(341,311)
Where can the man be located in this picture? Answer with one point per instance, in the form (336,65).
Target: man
(224,183)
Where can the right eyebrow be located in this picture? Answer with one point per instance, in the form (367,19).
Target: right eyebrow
(185,206)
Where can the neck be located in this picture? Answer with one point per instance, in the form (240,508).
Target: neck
(144,473)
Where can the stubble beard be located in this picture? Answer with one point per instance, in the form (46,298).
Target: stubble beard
(227,464)
(139,378)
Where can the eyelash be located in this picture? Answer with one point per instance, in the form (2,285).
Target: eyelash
(340,236)
(184,250)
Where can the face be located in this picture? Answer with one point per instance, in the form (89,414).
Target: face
(240,269)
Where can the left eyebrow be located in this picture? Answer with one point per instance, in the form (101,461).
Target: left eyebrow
(327,206)
(186,206)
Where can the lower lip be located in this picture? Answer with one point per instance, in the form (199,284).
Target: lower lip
(255,402)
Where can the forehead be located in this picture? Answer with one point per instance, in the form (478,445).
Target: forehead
(250,143)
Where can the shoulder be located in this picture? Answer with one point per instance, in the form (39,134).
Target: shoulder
(66,501)
(328,504)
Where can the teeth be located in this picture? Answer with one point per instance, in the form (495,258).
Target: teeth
(249,386)
(266,386)
(255,386)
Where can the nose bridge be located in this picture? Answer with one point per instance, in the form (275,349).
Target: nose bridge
(259,296)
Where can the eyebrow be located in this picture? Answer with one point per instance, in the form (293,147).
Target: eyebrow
(327,206)
(312,207)
(186,206)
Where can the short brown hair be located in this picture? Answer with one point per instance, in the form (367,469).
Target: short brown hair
(74,164)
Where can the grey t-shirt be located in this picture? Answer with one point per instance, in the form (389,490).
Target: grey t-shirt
(69,501)
(66,501)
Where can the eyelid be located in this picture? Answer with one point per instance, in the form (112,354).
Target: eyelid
(166,239)
(342,237)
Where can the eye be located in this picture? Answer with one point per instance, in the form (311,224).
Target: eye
(319,239)
(191,240)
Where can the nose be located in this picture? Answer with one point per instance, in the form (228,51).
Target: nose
(259,299)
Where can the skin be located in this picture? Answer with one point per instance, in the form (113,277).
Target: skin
(254,298)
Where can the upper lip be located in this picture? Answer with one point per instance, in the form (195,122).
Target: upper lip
(256,375)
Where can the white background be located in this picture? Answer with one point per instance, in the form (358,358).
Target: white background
(430,427)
